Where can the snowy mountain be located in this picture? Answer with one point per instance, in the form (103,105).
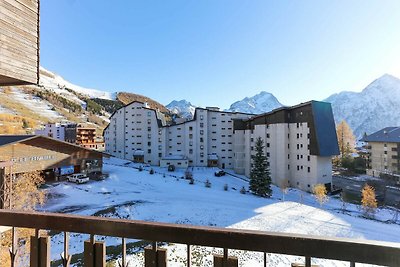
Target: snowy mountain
(260,103)
(58,84)
(376,107)
(183,108)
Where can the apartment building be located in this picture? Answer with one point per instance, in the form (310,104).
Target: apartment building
(383,149)
(299,143)
(60,131)
(137,132)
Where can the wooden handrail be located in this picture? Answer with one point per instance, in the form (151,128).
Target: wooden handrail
(361,251)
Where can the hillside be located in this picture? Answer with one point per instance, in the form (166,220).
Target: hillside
(127,98)
(25,108)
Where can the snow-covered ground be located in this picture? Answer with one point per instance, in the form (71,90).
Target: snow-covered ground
(128,193)
(35,104)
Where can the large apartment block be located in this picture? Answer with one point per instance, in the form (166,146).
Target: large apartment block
(383,151)
(299,141)
(137,132)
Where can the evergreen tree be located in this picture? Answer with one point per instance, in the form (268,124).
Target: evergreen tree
(260,179)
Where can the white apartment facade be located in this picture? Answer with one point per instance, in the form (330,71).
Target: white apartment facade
(60,131)
(299,141)
(139,133)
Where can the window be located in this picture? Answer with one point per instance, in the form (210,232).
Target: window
(148,113)
(149,151)
(201,132)
(190,128)
(267,135)
(190,151)
(201,124)
(288,156)
(267,154)
(308,169)
(308,158)
(288,167)
(190,136)
(297,157)
(201,117)
(148,143)
(298,167)
(298,146)
(159,155)
(298,136)
(267,144)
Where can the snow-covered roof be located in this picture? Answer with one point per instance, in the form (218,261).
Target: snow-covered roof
(388,134)
(174,157)
(138,153)
(212,157)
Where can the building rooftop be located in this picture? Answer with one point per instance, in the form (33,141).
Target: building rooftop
(9,139)
(388,134)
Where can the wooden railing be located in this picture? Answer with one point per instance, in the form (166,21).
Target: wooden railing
(360,251)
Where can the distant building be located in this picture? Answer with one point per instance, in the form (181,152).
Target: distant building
(299,141)
(74,134)
(383,149)
(60,131)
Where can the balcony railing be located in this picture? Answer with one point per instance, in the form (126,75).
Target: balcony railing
(360,251)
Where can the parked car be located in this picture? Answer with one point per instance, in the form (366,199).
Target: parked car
(78,178)
(219,173)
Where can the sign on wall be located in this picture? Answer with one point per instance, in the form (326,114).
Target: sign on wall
(66,170)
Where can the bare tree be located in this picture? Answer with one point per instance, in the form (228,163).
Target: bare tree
(283,185)
(25,195)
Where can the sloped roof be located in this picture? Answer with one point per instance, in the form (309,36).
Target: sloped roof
(388,134)
(13,139)
(9,139)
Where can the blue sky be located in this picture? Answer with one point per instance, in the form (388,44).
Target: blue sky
(213,53)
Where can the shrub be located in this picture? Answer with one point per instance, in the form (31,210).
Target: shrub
(243,190)
(151,171)
(368,200)
(140,168)
(320,193)
(188,175)
(208,183)
(226,187)
(191,181)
